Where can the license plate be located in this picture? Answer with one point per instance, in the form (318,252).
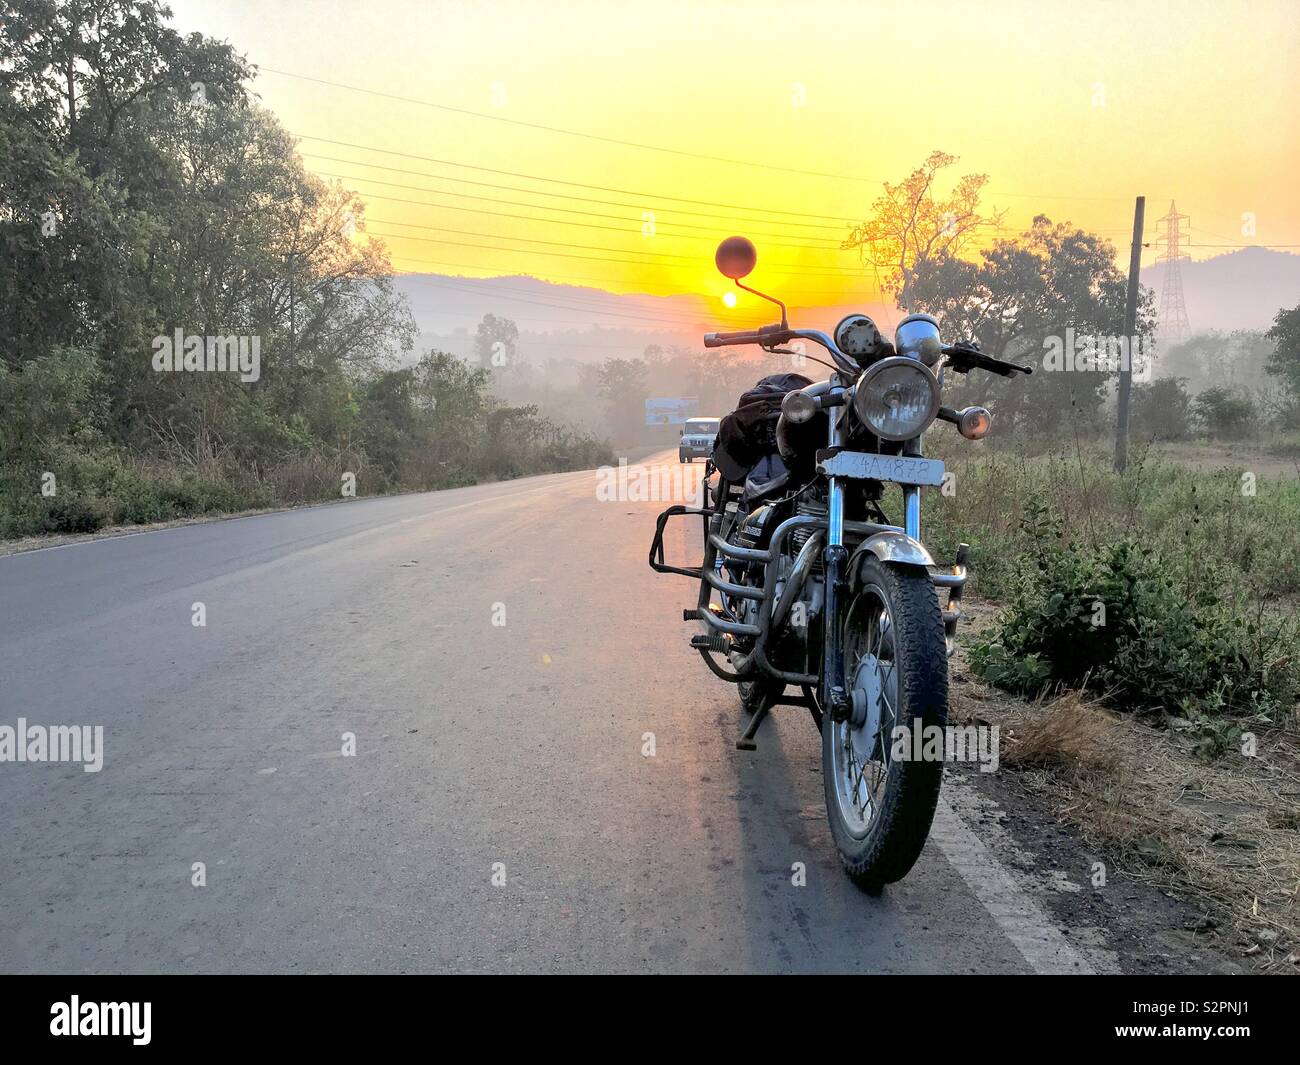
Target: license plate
(901,469)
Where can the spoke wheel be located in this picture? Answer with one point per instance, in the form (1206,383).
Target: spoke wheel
(860,753)
(880,807)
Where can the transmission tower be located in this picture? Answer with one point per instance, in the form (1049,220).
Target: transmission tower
(1174,327)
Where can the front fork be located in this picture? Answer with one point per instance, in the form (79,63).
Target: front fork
(835,691)
(835,557)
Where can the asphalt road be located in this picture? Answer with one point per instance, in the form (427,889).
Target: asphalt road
(511,751)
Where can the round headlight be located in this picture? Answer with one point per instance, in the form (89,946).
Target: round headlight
(897,398)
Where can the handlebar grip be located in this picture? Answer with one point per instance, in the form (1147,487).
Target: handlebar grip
(717,340)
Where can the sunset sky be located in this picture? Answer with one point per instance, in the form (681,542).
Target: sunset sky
(1071,108)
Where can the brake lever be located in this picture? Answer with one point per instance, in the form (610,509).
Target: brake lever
(965,357)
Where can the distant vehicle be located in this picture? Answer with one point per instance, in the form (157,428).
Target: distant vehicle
(697,439)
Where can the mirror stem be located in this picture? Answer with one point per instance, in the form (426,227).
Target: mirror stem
(770,299)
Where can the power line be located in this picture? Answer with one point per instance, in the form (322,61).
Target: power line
(531,240)
(570,196)
(467,112)
(557,221)
(776,267)
(575,184)
(577,133)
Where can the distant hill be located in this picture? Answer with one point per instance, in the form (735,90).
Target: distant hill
(1242,290)
(578,322)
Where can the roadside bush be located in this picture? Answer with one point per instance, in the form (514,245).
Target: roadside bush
(1122,620)
(1162,409)
(1223,413)
(426,427)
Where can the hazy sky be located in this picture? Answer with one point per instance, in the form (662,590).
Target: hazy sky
(1072,108)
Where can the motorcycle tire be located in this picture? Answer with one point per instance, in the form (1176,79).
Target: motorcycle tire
(884,848)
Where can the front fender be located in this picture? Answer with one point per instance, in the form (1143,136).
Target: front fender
(890,547)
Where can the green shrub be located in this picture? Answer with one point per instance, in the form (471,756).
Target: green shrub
(1223,413)
(1146,631)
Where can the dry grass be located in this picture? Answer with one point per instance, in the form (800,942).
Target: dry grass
(1224,833)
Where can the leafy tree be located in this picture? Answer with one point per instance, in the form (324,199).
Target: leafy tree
(1239,359)
(1285,360)
(143,191)
(1223,413)
(1162,409)
(1020,300)
(496,342)
(910,228)
(623,384)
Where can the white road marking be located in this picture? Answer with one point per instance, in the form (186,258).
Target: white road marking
(1022,921)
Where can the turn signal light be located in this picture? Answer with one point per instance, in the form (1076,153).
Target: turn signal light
(798,407)
(974,422)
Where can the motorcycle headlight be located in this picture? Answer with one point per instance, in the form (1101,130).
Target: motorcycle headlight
(897,398)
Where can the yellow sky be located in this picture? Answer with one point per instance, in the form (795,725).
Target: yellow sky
(1072,108)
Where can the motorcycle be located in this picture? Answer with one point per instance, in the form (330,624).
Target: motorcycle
(806,584)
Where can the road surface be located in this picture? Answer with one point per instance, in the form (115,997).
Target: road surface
(504,658)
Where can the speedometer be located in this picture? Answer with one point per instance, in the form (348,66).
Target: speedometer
(857,336)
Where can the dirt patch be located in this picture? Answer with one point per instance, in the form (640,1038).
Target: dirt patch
(1219,835)
(1262,460)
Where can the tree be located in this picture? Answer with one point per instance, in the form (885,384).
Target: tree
(1162,409)
(495,342)
(1285,360)
(623,384)
(142,191)
(910,228)
(1026,294)
(1223,413)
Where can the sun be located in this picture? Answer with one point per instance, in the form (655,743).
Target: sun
(729,299)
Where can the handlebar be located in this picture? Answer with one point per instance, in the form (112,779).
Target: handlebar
(766,334)
(780,333)
(962,357)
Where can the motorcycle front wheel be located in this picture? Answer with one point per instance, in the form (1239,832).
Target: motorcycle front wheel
(880,806)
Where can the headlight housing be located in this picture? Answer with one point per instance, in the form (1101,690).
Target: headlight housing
(897,398)
(917,336)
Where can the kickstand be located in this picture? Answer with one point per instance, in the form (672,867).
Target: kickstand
(807,700)
(746,742)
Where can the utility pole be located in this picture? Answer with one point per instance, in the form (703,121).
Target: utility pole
(1130,328)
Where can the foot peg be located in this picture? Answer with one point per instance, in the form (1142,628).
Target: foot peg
(704,641)
(690,614)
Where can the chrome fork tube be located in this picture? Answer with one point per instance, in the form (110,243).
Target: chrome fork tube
(834,691)
(912,511)
(912,496)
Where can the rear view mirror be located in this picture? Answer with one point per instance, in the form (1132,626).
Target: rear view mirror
(736,257)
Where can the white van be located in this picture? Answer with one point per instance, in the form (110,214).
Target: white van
(697,439)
